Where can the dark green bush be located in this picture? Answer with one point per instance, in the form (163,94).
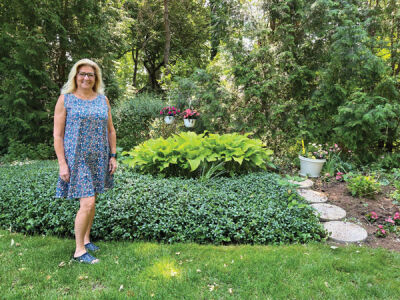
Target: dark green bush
(253,208)
(18,151)
(132,119)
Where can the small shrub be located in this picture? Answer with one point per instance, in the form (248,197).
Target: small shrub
(18,151)
(133,119)
(362,186)
(388,161)
(252,208)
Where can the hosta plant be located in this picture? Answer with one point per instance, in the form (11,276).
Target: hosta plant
(190,155)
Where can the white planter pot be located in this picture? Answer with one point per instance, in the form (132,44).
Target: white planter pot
(169,119)
(310,167)
(189,122)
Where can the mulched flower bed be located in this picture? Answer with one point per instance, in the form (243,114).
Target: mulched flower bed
(358,208)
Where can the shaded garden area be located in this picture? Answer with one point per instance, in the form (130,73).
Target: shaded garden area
(213,103)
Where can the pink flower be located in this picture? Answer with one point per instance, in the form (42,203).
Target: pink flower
(396,216)
(389,220)
(383,231)
(380,226)
(336,145)
(374,215)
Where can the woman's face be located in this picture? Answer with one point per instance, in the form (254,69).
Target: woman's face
(85,77)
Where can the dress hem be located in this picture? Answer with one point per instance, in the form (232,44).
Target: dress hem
(83,196)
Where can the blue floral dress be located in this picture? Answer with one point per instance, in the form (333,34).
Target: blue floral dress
(86,148)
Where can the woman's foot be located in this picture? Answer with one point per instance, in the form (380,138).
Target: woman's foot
(91,247)
(86,258)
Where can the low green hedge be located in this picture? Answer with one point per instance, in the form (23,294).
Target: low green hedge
(252,208)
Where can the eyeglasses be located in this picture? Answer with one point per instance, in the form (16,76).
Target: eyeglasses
(83,74)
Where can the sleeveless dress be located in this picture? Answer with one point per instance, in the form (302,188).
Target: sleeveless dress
(86,148)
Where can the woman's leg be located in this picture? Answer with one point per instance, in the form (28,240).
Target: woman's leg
(87,233)
(82,222)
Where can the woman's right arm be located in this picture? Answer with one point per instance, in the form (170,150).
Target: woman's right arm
(60,114)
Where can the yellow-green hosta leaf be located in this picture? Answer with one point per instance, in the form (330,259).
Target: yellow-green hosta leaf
(238,159)
(257,160)
(194,163)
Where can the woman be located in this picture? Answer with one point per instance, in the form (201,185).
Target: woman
(85,144)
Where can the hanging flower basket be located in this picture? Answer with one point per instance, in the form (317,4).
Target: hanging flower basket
(169,113)
(189,117)
(189,122)
(169,119)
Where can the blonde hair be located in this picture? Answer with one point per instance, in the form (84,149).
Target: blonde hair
(70,85)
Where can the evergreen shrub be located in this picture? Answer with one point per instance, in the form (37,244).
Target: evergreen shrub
(254,208)
(18,151)
(132,119)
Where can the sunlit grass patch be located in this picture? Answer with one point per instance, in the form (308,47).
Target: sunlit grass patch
(36,267)
(165,268)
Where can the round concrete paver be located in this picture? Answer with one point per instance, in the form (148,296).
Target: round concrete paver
(306,184)
(329,212)
(345,232)
(312,196)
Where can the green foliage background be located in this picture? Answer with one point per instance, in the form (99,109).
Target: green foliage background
(321,70)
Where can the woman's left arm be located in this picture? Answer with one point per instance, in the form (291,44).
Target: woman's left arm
(112,139)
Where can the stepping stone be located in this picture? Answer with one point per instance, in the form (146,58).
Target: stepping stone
(306,184)
(345,232)
(329,212)
(312,196)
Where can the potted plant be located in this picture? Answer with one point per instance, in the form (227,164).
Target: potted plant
(169,113)
(189,117)
(312,159)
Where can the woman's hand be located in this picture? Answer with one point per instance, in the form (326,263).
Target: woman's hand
(64,172)
(112,165)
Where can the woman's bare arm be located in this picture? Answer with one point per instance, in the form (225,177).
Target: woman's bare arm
(58,133)
(112,140)
(112,135)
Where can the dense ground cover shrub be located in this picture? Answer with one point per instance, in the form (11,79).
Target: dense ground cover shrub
(186,153)
(133,118)
(252,208)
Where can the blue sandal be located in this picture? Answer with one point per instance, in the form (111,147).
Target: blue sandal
(86,258)
(92,247)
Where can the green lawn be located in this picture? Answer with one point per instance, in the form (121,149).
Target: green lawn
(30,269)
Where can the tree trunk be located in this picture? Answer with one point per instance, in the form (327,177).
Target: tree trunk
(153,72)
(167,37)
(62,53)
(135,57)
(214,31)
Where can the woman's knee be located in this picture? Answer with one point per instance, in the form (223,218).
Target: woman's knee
(88,204)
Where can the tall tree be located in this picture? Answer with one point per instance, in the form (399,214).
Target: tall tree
(187,23)
(167,37)
(39,42)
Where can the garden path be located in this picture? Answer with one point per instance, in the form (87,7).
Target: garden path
(331,216)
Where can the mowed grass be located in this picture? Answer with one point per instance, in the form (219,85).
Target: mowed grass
(30,269)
